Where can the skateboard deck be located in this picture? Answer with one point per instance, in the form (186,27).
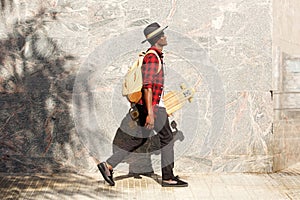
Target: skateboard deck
(174,100)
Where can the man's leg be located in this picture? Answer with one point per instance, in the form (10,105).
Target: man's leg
(124,144)
(165,134)
(167,151)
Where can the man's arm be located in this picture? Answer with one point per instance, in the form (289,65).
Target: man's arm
(149,70)
(148,100)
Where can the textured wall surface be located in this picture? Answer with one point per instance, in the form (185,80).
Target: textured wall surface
(286,83)
(62,64)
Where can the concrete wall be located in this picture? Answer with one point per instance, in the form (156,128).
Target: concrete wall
(62,63)
(286,83)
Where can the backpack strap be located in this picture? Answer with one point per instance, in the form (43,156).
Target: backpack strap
(159,61)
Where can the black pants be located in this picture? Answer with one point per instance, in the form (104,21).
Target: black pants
(137,135)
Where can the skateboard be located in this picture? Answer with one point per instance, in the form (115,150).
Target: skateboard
(174,100)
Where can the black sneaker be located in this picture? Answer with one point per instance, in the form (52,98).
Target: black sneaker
(176,182)
(106,173)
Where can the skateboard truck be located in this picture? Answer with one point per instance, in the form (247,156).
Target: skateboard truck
(177,134)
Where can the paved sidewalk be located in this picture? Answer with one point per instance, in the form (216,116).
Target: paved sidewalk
(283,185)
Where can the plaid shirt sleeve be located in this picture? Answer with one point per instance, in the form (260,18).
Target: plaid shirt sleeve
(149,70)
(152,78)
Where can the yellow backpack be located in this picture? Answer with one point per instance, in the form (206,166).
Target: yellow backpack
(133,81)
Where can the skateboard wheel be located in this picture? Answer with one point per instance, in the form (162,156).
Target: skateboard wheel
(183,86)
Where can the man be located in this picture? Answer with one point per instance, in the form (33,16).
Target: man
(152,114)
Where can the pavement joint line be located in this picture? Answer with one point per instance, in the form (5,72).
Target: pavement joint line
(281,185)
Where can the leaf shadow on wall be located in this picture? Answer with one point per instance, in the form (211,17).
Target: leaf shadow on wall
(36,91)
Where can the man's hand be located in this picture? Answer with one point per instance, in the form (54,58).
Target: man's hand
(149,122)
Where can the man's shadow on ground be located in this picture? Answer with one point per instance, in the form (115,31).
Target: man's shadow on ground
(157,178)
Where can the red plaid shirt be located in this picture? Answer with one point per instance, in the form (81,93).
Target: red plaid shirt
(152,79)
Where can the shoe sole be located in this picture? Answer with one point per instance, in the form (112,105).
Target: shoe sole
(106,178)
(174,185)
